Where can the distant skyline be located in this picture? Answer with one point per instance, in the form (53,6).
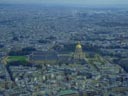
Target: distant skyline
(79,2)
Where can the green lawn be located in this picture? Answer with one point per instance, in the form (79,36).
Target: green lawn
(17,58)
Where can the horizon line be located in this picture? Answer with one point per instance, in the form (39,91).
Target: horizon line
(71,5)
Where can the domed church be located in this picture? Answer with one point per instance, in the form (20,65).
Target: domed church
(52,57)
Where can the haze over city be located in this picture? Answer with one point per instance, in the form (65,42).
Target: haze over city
(83,2)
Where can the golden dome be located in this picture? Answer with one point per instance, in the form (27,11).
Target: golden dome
(78,46)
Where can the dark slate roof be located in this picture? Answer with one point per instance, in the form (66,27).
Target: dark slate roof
(44,55)
(64,58)
(37,57)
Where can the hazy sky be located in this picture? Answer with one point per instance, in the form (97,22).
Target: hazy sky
(85,2)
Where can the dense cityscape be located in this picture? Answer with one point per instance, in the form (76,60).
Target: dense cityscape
(63,51)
